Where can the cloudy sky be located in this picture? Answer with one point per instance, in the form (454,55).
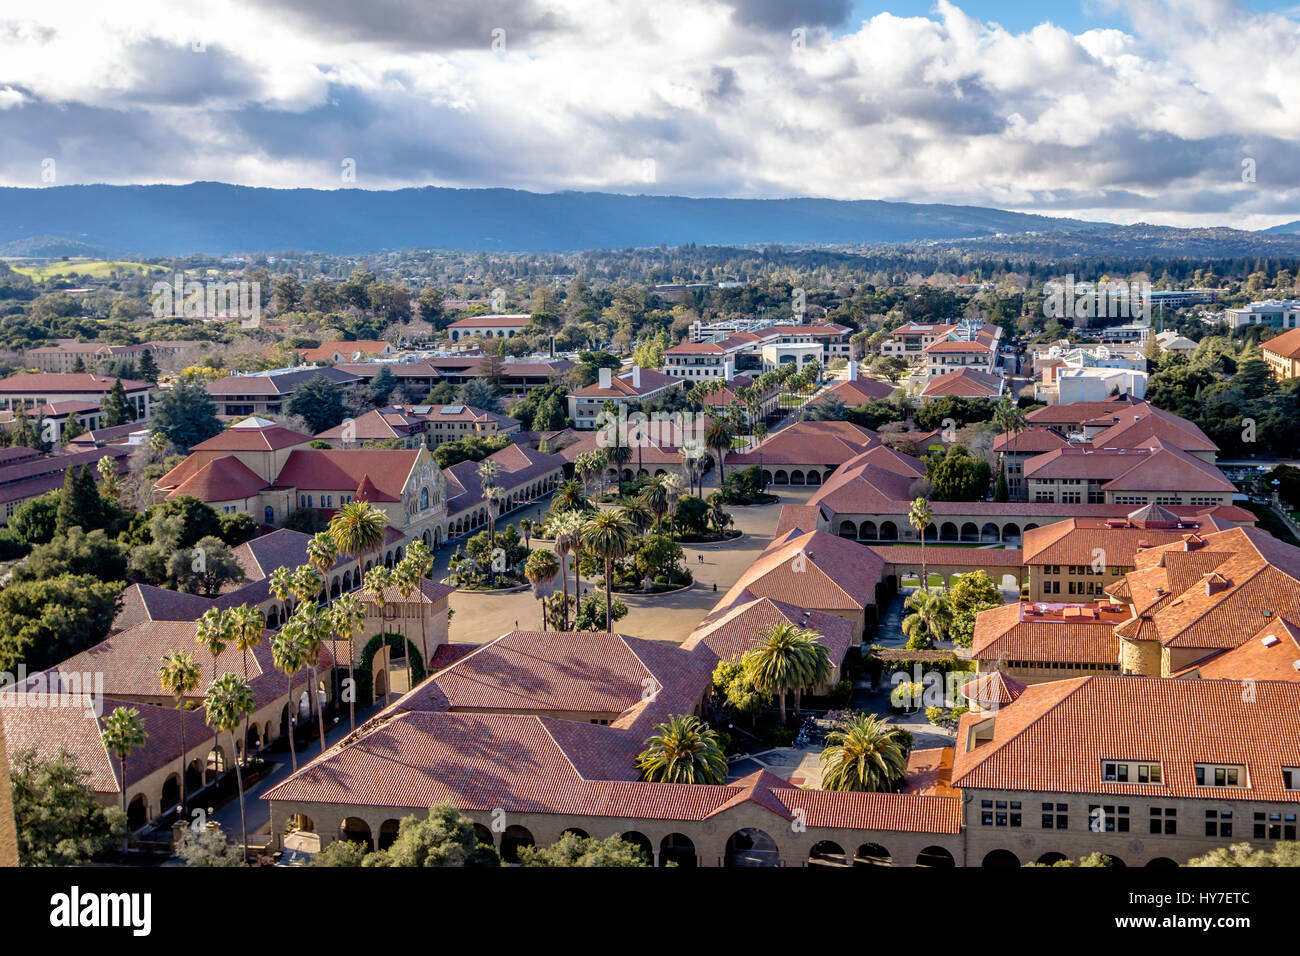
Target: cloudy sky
(1122,110)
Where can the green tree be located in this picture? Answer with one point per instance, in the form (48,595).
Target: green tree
(973,590)
(79,502)
(122,732)
(36,519)
(445,838)
(58,818)
(340,853)
(683,750)
(208,847)
(45,621)
(957,476)
(865,754)
(75,552)
(319,403)
(117,410)
(357,529)
(574,850)
(205,569)
(186,414)
(148,370)
(1243,854)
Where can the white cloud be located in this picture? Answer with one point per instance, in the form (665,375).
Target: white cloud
(1146,124)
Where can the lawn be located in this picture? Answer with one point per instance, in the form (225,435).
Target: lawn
(97,268)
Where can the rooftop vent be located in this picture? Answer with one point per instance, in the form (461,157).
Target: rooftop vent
(1270,640)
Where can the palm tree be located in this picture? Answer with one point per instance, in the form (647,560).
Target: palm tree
(322,553)
(718,439)
(123,731)
(865,754)
(717,513)
(672,483)
(541,569)
(655,497)
(406,578)
(421,559)
(246,626)
(229,701)
(787,658)
(608,537)
(214,632)
(569,497)
(315,628)
(683,750)
(919,516)
(495,498)
(180,675)
(567,528)
(378,580)
(930,618)
(358,529)
(1009,418)
(638,516)
(288,656)
(281,585)
(348,618)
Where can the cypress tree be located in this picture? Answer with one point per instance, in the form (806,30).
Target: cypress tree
(117,411)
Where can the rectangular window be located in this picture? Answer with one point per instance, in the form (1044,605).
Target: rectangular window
(1056,816)
(1108,819)
(1164,820)
(1275,826)
(1218,823)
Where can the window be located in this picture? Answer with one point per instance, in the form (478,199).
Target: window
(1000,813)
(1218,823)
(1220,775)
(1113,771)
(1291,778)
(1164,820)
(1107,819)
(1056,816)
(1274,826)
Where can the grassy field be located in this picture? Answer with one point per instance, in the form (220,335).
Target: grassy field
(99,268)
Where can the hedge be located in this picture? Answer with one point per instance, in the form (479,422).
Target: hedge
(362,672)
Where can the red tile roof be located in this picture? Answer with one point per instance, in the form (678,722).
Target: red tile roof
(993,689)
(964,383)
(250,436)
(222,479)
(861,391)
(342,471)
(1066,633)
(731,630)
(822,444)
(1272,653)
(1286,345)
(813,569)
(1056,735)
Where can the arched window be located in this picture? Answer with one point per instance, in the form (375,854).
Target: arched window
(269,515)
(424,498)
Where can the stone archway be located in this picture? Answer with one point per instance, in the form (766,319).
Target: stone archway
(935,856)
(642,843)
(677,848)
(356,830)
(827,853)
(1000,858)
(513,840)
(751,847)
(872,854)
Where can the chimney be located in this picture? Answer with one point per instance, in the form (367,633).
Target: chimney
(853,370)
(606,378)
(636,376)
